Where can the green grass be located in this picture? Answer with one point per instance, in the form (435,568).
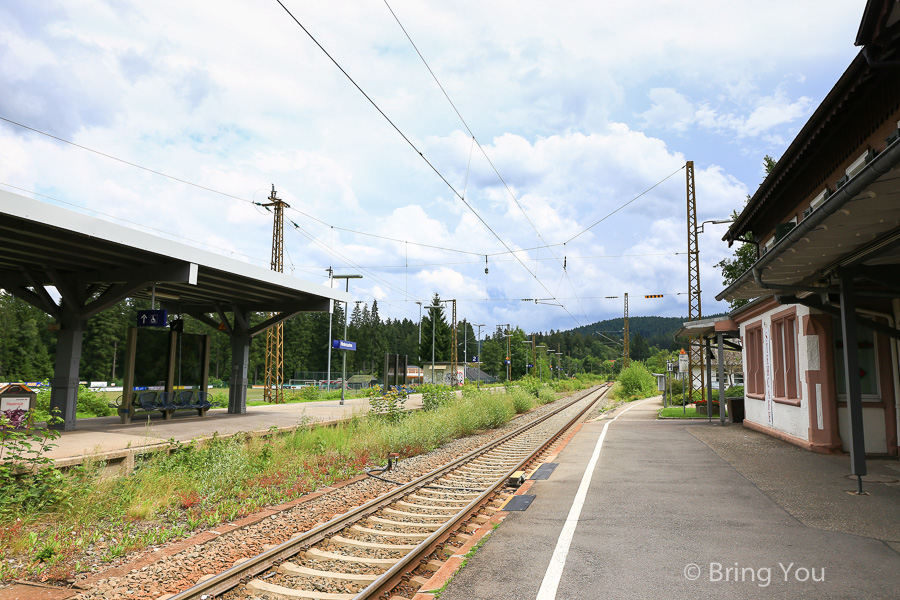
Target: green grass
(678,412)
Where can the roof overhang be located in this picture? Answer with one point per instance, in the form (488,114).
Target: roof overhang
(44,245)
(857,227)
(709,328)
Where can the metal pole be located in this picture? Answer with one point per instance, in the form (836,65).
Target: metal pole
(344,352)
(330,313)
(477,362)
(720,374)
(465,349)
(851,378)
(418,349)
(432,345)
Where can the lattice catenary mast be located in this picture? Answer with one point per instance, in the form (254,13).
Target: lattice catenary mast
(695,350)
(274,391)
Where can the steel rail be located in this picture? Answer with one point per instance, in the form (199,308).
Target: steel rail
(233,576)
(402,569)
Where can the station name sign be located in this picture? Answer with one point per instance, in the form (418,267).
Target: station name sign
(343,345)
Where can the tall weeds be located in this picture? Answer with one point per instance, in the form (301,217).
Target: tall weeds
(198,485)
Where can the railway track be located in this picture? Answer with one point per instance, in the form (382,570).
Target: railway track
(380,546)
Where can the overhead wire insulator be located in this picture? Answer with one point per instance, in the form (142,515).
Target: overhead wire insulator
(485,264)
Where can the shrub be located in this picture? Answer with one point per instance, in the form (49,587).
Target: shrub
(531,384)
(27,476)
(636,382)
(522,400)
(90,403)
(388,406)
(434,396)
(546,395)
(309,393)
(735,391)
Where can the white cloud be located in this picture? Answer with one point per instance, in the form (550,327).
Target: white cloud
(577,116)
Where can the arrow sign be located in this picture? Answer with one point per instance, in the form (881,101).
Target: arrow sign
(151,318)
(343,345)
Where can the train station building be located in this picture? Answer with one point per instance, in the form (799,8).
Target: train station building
(820,330)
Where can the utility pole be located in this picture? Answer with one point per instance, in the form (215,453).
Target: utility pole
(454,358)
(433,319)
(274,381)
(695,351)
(330,315)
(419,348)
(465,350)
(626,360)
(346,279)
(478,357)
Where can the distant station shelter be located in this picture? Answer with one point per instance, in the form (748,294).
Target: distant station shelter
(73,267)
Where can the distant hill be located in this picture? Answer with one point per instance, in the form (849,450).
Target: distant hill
(657,331)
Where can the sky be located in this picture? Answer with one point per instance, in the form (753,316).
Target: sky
(570,194)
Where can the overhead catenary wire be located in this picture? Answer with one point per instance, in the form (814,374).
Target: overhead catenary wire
(480,147)
(123,161)
(416,149)
(135,223)
(583,231)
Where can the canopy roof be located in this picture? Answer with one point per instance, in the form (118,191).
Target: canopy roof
(44,245)
(857,227)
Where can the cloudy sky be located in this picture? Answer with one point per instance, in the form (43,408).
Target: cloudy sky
(580,107)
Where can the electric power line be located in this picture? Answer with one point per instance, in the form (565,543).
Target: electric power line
(413,146)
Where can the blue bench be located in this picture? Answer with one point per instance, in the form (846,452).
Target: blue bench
(166,403)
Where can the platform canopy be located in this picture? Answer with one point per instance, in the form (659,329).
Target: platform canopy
(45,245)
(73,266)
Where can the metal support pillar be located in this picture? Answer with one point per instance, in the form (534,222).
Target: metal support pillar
(64,384)
(128,377)
(709,380)
(204,363)
(240,358)
(720,373)
(851,377)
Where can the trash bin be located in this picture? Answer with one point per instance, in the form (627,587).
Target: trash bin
(735,409)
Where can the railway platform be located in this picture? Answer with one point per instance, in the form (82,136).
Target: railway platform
(106,439)
(669,509)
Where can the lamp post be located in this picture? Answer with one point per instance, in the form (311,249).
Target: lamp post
(526,360)
(477,361)
(346,279)
(541,364)
(507,335)
(330,315)
(558,365)
(419,348)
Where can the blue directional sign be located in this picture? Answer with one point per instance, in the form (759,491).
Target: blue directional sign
(151,318)
(343,345)
(475,359)
(530,366)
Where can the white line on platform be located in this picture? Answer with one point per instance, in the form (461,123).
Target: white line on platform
(558,560)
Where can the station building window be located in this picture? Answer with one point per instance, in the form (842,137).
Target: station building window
(784,350)
(868,363)
(753,348)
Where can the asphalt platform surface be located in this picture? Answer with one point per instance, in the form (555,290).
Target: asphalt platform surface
(695,510)
(104,436)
